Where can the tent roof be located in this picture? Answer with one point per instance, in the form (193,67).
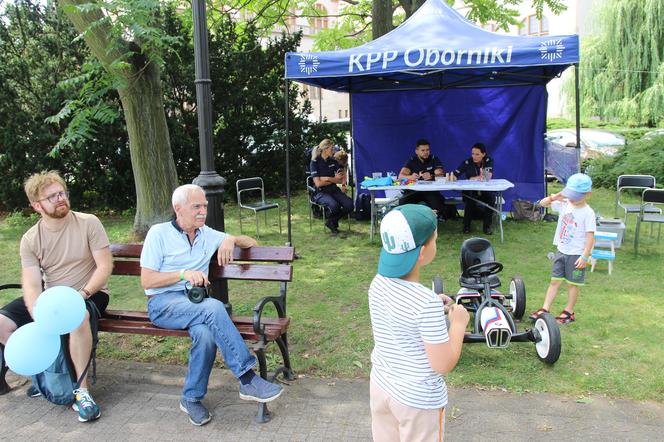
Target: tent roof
(436,48)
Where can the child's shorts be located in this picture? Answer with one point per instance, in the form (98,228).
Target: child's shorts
(564,268)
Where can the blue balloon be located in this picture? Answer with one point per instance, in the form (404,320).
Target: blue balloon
(31,350)
(59,310)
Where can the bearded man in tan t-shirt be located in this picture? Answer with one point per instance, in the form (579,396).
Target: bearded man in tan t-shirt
(64,248)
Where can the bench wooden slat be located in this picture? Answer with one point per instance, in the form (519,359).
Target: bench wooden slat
(252,272)
(126,250)
(138,323)
(143,316)
(258,253)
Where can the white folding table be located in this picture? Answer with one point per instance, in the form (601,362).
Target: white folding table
(497,186)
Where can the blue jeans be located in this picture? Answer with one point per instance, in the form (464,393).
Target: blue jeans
(337,202)
(210,328)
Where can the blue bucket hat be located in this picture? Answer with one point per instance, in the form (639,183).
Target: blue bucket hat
(577,186)
(403,231)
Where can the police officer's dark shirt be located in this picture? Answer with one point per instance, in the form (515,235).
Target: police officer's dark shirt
(320,168)
(415,165)
(470,169)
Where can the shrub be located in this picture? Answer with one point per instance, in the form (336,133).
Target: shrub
(642,157)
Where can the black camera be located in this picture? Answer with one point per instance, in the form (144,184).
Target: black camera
(196,294)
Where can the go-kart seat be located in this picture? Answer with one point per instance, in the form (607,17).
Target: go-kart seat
(476,251)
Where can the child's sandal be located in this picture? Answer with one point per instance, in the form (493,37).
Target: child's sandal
(565,317)
(537,314)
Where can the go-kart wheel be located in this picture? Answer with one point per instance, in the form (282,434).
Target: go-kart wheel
(518,294)
(548,347)
(437,285)
(484,269)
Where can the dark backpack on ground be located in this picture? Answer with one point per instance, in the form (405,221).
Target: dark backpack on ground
(526,210)
(58,382)
(363,207)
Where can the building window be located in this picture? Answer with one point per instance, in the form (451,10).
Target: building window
(319,22)
(314,92)
(346,113)
(339,113)
(291,20)
(531,25)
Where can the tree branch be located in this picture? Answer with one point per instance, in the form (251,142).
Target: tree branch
(95,30)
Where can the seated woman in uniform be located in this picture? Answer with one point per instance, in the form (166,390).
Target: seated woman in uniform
(326,174)
(474,168)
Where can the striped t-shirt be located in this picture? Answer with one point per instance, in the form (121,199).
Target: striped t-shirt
(405,315)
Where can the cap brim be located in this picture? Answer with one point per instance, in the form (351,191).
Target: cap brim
(572,195)
(396,266)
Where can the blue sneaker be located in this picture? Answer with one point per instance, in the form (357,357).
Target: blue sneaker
(33,391)
(87,409)
(198,414)
(260,390)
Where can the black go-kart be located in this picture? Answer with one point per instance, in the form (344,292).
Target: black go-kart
(493,314)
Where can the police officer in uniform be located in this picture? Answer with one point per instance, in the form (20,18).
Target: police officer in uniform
(327,173)
(423,167)
(473,168)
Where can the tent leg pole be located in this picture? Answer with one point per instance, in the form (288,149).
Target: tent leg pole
(288,192)
(577,106)
(351,148)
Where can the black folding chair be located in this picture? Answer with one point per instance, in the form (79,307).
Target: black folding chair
(649,198)
(248,189)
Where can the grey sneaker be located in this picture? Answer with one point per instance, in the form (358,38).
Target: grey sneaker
(260,390)
(33,392)
(198,414)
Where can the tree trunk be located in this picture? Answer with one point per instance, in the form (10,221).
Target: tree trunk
(381,18)
(149,142)
(152,162)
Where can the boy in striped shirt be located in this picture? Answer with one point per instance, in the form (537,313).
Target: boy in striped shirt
(413,347)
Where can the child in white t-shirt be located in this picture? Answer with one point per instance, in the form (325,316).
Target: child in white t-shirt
(575,237)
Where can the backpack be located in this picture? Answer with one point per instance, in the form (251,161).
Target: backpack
(58,382)
(525,210)
(363,207)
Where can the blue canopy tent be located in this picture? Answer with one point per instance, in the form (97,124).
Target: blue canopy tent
(440,77)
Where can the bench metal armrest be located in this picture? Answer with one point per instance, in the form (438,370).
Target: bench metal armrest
(10,286)
(259,328)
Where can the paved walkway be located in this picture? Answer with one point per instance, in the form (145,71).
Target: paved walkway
(140,402)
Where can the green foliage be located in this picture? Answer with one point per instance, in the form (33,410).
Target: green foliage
(622,69)
(87,111)
(249,123)
(354,25)
(38,50)
(645,156)
(46,77)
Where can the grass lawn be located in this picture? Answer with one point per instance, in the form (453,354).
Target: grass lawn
(614,347)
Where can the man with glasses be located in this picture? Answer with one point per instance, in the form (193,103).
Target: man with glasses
(64,248)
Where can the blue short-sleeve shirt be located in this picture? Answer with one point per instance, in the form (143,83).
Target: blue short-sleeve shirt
(167,249)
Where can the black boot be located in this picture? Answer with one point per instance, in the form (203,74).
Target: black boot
(4,386)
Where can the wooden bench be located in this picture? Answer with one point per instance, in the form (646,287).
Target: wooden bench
(254,264)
